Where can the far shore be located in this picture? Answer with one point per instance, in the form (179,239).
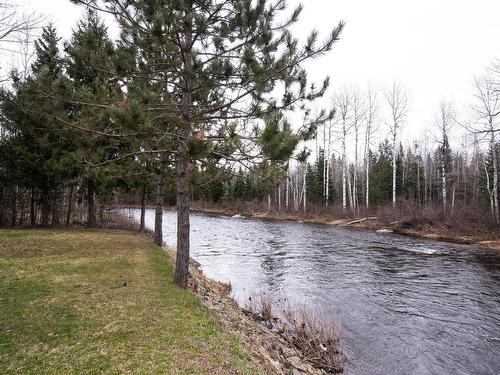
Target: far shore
(402,227)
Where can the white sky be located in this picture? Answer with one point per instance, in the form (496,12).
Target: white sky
(433,47)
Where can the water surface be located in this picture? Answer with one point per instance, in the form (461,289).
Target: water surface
(404,305)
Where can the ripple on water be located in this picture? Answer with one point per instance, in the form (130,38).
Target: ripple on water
(404,305)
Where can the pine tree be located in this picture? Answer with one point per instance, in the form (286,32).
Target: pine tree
(220,63)
(96,92)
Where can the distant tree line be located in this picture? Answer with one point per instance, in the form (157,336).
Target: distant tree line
(451,172)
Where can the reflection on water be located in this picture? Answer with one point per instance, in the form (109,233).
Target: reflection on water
(405,306)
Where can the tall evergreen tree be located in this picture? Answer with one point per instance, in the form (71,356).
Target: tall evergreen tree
(222,62)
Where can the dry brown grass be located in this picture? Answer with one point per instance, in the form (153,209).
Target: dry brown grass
(313,333)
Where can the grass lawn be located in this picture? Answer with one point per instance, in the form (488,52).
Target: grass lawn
(81,301)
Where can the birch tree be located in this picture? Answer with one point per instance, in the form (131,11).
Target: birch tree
(444,121)
(397,100)
(487,109)
(358,114)
(371,117)
(343,103)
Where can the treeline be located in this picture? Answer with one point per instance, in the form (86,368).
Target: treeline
(186,94)
(449,175)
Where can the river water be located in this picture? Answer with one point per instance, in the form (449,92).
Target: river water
(403,305)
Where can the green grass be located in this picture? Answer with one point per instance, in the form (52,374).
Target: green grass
(91,302)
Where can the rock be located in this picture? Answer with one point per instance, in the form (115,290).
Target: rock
(385,230)
(297,363)
(287,352)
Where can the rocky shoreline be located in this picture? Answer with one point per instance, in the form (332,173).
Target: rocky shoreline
(269,347)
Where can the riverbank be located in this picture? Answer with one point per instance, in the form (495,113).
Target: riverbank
(411,228)
(80,301)
(103,301)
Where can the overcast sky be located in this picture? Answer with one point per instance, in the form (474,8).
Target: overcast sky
(433,47)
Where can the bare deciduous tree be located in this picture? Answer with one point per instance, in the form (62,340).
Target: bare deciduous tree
(487,109)
(343,104)
(444,121)
(358,113)
(371,118)
(397,99)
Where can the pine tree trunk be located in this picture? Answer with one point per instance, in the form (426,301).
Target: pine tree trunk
(32,207)
(2,206)
(56,207)
(15,192)
(183,203)
(70,206)
(143,211)
(21,216)
(159,202)
(92,215)
(183,207)
(45,208)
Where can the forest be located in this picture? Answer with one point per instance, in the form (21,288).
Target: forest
(191,107)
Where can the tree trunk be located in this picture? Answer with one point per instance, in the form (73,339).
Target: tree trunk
(70,206)
(327,187)
(14,206)
(344,171)
(92,215)
(367,196)
(279,198)
(452,201)
(443,178)
(45,208)
(21,216)
(495,176)
(355,179)
(305,189)
(490,193)
(183,207)
(2,205)
(159,201)
(143,211)
(287,191)
(394,151)
(182,165)
(32,207)
(56,207)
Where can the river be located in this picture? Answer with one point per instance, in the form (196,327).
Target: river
(403,305)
